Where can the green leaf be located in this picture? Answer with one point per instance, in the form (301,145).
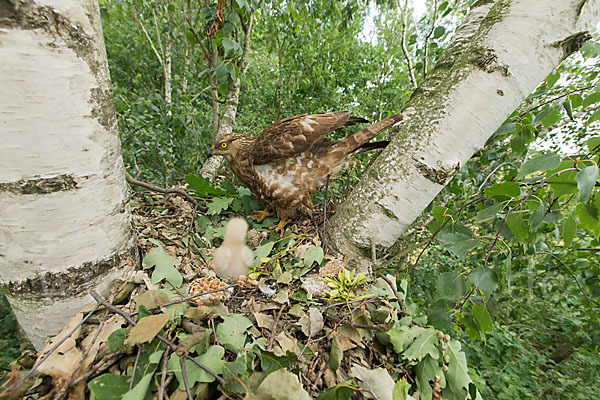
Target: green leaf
(536,219)
(424,344)
(313,254)
(552,119)
(595,117)
(218,205)
(565,182)
(261,252)
(212,359)
(341,391)
(440,318)
(590,99)
(517,226)
(542,162)
(336,354)
(588,215)
(109,386)
(439,32)
(451,286)
(504,191)
(593,143)
(116,340)
(457,244)
(141,388)
(400,391)
(485,279)
(507,127)
(586,180)
(281,384)
(425,372)
(457,376)
(164,267)
(488,212)
(482,317)
(569,229)
(203,187)
(568,108)
(231,332)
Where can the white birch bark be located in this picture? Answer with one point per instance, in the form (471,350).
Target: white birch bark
(64,213)
(503,50)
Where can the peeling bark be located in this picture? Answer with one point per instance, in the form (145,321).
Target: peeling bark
(502,51)
(64,212)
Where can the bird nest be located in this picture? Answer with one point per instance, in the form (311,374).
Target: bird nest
(171,329)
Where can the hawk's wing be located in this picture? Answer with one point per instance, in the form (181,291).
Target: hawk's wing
(297,134)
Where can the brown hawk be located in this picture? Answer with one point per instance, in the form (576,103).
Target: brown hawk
(291,158)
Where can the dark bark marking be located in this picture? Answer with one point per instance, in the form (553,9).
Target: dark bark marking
(72,282)
(572,43)
(61,183)
(437,176)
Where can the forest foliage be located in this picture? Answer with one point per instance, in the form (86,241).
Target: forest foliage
(506,256)
(506,259)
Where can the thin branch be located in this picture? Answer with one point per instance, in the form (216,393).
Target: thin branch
(69,380)
(135,364)
(160,60)
(185,378)
(438,231)
(163,378)
(160,46)
(542,183)
(50,351)
(166,341)
(159,189)
(428,37)
(182,300)
(590,302)
(556,98)
(411,72)
(243,63)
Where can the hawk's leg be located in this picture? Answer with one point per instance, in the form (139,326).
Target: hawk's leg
(280,227)
(261,214)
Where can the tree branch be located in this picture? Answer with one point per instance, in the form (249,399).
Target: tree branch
(411,72)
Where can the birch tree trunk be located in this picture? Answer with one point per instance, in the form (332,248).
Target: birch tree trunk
(64,213)
(503,50)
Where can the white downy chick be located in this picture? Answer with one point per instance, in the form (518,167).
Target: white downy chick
(233,258)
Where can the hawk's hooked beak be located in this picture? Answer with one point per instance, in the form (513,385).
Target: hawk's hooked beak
(210,152)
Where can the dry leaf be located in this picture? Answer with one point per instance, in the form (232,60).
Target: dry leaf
(147,329)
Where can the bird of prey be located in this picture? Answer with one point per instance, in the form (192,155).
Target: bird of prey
(291,158)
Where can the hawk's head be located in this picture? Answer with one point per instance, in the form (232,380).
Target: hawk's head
(230,145)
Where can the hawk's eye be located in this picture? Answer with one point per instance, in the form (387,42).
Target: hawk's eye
(223,145)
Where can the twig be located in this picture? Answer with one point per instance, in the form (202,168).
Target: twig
(163,378)
(169,343)
(428,37)
(102,365)
(159,189)
(185,378)
(556,98)
(179,301)
(411,72)
(542,183)
(590,302)
(378,327)
(67,384)
(438,231)
(135,364)
(45,357)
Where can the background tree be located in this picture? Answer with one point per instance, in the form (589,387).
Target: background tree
(64,220)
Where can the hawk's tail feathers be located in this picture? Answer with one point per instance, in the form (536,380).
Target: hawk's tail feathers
(361,137)
(371,146)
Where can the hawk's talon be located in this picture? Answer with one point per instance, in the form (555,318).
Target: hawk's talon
(280,227)
(261,214)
